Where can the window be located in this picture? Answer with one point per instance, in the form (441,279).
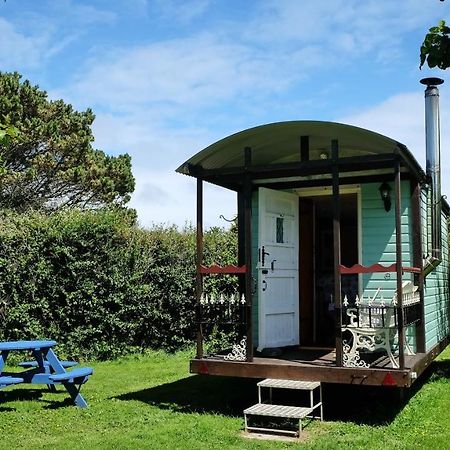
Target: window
(280,230)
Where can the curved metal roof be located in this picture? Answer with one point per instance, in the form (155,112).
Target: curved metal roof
(280,143)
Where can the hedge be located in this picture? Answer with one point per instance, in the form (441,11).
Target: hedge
(100,285)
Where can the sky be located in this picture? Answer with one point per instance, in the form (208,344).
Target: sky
(167,78)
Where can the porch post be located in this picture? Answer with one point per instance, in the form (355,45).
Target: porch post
(199,280)
(241,230)
(241,239)
(337,252)
(248,253)
(418,260)
(398,251)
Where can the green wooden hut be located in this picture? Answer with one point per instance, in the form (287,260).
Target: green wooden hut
(342,248)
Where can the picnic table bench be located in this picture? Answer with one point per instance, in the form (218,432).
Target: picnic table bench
(46,368)
(29,364)
(9,381)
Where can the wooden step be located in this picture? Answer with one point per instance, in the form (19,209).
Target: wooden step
(268,410)
(278,411)
(281,411)
(289,384)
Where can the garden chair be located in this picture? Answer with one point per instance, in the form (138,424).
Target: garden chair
(373,326)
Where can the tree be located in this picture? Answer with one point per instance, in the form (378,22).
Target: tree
(435,49)
(46,157)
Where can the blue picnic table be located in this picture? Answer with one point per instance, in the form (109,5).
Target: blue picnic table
(46,369)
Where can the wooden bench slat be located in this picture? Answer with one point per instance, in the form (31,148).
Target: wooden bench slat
(81,372)
(6,381)
(65,364)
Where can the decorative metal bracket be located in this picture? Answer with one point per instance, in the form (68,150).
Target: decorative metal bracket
(238,352)
(352,358)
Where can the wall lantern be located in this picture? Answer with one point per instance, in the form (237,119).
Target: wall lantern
(385,192)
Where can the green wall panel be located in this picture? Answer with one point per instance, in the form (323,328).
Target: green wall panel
(378,237)
(436,293)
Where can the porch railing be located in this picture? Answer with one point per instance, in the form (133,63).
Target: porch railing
(222,309)
(370,324)
(371,313)
(222,315)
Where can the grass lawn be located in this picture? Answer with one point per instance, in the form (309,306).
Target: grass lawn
(152,402)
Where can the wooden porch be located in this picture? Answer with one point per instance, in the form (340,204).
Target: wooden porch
(319,365)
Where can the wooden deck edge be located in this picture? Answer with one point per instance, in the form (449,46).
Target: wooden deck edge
(269,368)
(341,375)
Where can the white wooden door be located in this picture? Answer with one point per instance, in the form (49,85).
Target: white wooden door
(278,290)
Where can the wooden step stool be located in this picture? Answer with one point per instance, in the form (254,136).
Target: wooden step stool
(288,412)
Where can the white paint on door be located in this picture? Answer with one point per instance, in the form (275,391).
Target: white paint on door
(278,290)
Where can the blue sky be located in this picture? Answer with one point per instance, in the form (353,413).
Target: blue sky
(166,78)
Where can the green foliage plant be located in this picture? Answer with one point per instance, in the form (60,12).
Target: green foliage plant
(98,284)
(435,49)
(46,156)
(7,133)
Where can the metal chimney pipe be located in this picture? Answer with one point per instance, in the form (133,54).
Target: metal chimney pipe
(433,156)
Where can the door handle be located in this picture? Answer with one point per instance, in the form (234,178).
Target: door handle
(263,255)
(264,283)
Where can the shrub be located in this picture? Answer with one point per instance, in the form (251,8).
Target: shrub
(100,285)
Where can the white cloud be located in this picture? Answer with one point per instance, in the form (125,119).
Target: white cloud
(182,12)
(170,198)
(161,195)
(401,117)
(190,73)
(284,43)
(31,38)
(18,50)
(347,27)
(83,15)
(151,144)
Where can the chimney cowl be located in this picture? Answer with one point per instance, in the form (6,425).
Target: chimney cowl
(432,81)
